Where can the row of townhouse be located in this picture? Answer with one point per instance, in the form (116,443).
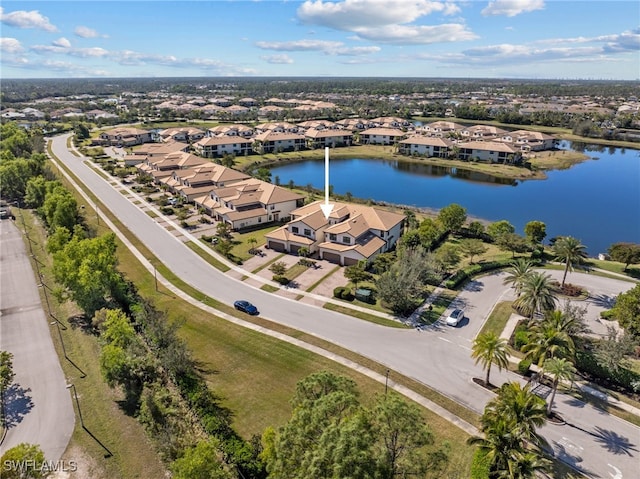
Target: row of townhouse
(350,234)
(223,193)
(437,139)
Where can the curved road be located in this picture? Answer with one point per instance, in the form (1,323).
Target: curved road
(597,443)
(38,404)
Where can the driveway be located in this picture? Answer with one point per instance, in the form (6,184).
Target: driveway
(439,357)
(38,404)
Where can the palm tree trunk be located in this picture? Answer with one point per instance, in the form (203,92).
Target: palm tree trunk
(553,396)
(486,381)
(566,270)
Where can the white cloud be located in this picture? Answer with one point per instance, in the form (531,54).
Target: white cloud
(10,45)
(511,8)
(86,32)
(24,19)
(349,15)
(95,52)
(62,42)
(417,34)
(282,59)
(324,46)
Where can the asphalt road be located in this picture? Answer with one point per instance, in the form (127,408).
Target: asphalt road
(599,444)
(38,404)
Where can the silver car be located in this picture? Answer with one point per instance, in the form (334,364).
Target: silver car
(455,317)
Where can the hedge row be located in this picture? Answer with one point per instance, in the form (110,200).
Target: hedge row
(464,274)
(624,378)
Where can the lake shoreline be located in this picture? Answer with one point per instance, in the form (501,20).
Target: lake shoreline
(541,161)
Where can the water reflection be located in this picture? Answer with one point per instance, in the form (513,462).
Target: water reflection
(453,172)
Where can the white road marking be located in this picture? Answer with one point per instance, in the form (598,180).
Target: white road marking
(618,474)
(443,339)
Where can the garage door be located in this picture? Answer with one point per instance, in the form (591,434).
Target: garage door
(332,257)
(274,245)
(294,249)
(350,261)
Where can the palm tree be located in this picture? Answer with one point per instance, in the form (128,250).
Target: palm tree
(410,219)
(571,252)
(549,338)
(520,406)
(560,369)
(537,294)
(509,423)
(490,349)
(518,273)
(524,465)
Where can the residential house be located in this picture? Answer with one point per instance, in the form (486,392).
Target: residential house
(529,140)
(215,147)
(430,146)
(184,134)
(327,138)
(277,127)
(250,203)
(154,150)
(492,151)
(163,166)
(197,181)
(350,234)
(123,136)
(273,142)
(354,124)
(442,128)
(231,130)
(381,136)
(482,132)
(391,122)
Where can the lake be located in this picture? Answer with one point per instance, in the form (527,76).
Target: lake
(596,201)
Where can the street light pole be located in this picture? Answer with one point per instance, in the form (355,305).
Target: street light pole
(386,382)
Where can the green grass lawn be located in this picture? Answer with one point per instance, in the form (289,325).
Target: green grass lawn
(242,245)
(498,318)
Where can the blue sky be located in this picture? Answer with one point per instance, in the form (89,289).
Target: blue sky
(536,39)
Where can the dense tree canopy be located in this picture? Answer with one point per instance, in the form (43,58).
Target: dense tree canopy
(627,253)
(331,435)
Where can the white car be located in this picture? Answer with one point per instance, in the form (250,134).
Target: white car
(455,317)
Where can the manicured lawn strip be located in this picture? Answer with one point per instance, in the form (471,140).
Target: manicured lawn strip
(321,280)
(439,306)
(212,260)
(133,454)
(498,318)
(268,263)
(367,317)
(241,249)
(268,288)
(295,271)
(633,272)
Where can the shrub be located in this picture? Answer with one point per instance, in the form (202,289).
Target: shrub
(523,367)
(520,339)
(337,292)
(480,465)
(608,315)
(283,280)
(346,294)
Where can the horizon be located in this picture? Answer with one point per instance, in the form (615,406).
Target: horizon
(533,40)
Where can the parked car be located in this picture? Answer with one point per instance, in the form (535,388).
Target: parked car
(455,317)
(245,307)
(5,211)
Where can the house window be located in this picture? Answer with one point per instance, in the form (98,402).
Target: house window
(346,240)
(294,229)
(307,232)
(260,219)
(272,207)
(332,237)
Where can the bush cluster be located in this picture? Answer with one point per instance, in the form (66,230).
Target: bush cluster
(283,280)
(342,292)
